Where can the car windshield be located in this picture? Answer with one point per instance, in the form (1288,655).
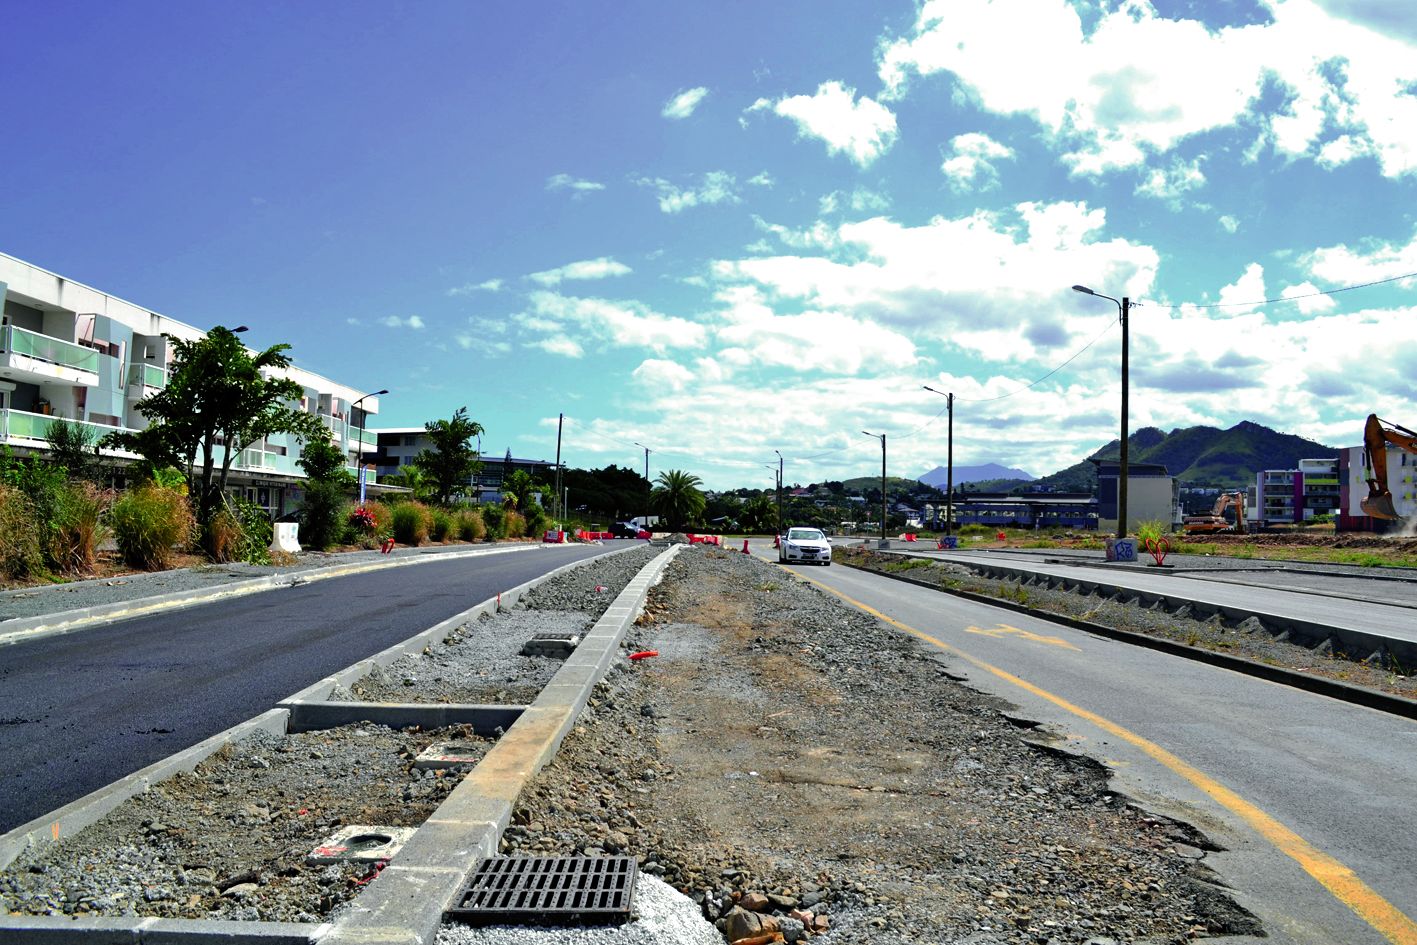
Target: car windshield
(805,534)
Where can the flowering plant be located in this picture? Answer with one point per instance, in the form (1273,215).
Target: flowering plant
(362,518)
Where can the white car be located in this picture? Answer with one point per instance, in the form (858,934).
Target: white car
(805,545)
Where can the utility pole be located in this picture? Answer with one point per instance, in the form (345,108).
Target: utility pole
(882,438)
(780,523)
(560,419)
(647,488)
(1122,480)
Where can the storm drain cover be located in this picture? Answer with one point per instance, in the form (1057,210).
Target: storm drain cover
(548,890)
(361,843)
(559,645)
(449,755)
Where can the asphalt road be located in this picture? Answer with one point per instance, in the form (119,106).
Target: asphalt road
(1310,602)
(1340,777)
(80,710)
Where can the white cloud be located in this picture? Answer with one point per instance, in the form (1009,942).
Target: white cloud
(1244,294)
(491,285)
(1308,303)
(1130,86)
(394,321)
(601,268)
(469,342)
(761,179)
(683,103)
(558,344)
(577,186)
(626,324)
(659,374)
(1228,223)
(972,165)
(861,129)
(717,187)
(1343,265)
(1170,183)
(861,200)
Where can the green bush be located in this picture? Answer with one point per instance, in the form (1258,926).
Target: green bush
(19,536)
(1151,530)
(494,520)
(470,527)
(410,522)
(536,520)
(149,522)
(240,531)
(513,524)
(441,529)
(975,530)
(322,514)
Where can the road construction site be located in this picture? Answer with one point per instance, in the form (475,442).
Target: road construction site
(785,766)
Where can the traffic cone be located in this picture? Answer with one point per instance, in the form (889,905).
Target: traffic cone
(745,546)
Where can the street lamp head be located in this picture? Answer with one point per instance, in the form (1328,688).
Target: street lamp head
(378,393)
(1083,289)
(238,329)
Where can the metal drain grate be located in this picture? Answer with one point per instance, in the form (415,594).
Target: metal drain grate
(548,890)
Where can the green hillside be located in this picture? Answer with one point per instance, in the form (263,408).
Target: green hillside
(1199,455)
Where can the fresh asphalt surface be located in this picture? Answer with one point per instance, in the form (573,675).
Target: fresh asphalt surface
(1392,620)
(1342,777)
(80,710)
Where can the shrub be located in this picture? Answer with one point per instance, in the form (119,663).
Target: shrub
(410,523)
(470,527)
(974,530)
(321,514)
(535,517)
(79,527)
(1151,530)
(513,524)
(441,527)
(494,521)
(19,538)
(240,531)
(148,522)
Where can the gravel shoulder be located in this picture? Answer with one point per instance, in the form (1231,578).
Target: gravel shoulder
(795,765)
(1244,639)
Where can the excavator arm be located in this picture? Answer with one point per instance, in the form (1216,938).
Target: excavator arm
(1377,434)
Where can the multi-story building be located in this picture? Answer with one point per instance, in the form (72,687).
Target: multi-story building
(1153,494)
(1294,496)
(70,352)
(397,447)
(1353,474)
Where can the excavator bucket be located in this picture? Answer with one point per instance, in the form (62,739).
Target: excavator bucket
(1379,505)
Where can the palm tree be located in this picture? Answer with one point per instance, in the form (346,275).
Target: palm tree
(759,514)
(676,496)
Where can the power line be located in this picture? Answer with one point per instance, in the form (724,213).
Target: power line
(1293,298)
(1076,355)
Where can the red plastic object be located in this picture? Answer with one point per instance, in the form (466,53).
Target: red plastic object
(643,654)
(1158,548)
(388,546)
(1002,537)
(745,546)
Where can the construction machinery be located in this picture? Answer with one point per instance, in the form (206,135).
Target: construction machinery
(1377,435)
(1215,521)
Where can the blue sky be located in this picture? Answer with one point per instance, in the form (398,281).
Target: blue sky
(723,230)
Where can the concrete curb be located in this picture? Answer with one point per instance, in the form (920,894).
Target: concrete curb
(41,625)
(1345,692)
(1311,632)
(406,905)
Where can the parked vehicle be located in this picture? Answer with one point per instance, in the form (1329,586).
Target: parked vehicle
(807,545)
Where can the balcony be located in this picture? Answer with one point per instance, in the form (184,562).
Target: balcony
(23,428)
(145,379)
(41,359)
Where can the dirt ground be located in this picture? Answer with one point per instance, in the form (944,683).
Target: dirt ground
(784,745)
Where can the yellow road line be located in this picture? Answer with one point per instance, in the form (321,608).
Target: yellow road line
(1342,882)
(1004,629)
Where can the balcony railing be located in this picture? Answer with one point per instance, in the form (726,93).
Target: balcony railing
(23,425)
(32,344)
(146,375)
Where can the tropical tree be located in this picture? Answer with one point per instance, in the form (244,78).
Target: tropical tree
(759,514)
(328,481)
(412,478)
(677,498)
(518,489)
(218,395)
(452,461)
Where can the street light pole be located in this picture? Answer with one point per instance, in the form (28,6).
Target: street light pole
(949,462)
(1124,308)
(647,489)
(882,438)
(359,442)
(780,522)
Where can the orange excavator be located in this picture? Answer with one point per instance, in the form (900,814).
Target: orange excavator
(1377,434)
(1215,520)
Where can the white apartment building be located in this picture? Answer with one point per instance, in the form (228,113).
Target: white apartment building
(71,352)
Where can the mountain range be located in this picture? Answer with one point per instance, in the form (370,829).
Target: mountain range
(1200,455)
(938,476)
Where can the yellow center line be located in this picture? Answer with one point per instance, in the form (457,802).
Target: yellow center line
(1342,882)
